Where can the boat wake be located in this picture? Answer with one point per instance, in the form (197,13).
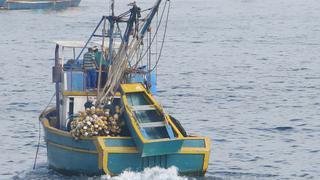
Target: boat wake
(155,173)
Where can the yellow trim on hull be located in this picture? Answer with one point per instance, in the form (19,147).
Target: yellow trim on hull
(84,93)
(100,154)
(71,148)
(79,93)
(206,155)
(103,160)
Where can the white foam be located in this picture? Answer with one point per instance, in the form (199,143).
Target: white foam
(155,173)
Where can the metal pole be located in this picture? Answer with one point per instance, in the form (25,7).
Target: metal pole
(149,68)
(112,8)
(102,55)
(57,81)
(149,18)
(90,38)
(110,39)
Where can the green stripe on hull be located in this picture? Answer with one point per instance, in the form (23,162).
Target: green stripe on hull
(119,143)
(161,148)
(193,143)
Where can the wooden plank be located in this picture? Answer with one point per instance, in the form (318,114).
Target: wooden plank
(143,108)
(152,124)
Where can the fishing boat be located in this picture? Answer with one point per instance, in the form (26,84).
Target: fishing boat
(37,4)
(83,132)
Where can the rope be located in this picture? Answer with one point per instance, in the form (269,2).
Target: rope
(39,134)
(48,103)
(156,32)
(125,52)
(164,36)
(118,68)
(38,146)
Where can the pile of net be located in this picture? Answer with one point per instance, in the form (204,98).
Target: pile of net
(96,122)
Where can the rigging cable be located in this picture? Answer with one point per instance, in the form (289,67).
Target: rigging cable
(164,36)
(156,32)
(119,66)
(122,40)
(39,133)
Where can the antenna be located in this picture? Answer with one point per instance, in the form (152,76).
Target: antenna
(112,7)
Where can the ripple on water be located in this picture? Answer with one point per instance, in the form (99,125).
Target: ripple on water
(244,175)
(275,129)
(283,128)
(296,119)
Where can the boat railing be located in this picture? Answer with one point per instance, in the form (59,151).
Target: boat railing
(73,75)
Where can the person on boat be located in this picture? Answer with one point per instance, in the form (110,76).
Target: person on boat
(95,51)
(90,102)
(89,65)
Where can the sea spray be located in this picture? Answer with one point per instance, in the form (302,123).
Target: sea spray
(155,173)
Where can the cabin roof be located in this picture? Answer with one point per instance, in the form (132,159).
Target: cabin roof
(81,44)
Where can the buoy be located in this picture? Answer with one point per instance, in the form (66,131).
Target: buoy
(96,122)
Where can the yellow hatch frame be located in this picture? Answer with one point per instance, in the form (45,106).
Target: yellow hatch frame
(137,87)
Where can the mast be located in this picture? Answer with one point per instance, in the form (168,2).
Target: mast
(117,65)
(110,34)
(149,19)
(102,55)
(112,7)
(57,71)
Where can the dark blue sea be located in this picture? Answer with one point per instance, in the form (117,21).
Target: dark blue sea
(246,73)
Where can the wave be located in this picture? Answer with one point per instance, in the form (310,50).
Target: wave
(155,173)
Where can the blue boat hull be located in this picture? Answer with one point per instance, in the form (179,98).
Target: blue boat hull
(38,4)
(2,3)
(113,155)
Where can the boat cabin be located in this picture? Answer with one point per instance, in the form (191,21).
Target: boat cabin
(71,79)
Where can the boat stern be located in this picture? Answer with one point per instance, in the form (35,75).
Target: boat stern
(118,154)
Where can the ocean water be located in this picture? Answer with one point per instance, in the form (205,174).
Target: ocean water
(246,73)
